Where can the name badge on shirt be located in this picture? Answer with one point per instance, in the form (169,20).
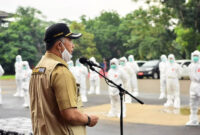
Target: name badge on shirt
(40,70)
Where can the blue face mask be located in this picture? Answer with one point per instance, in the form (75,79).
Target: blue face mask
(195,58)
(171,61)
(122,63)
(24,67)
(113,66)
(163,60)
(130,59)
(18,60)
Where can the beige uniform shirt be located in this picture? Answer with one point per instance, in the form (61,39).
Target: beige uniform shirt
(53,89)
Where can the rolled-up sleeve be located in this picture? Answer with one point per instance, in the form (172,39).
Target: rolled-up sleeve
(64,86)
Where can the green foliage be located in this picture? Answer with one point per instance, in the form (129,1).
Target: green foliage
(187,38)
(188,30)
(173,27)
(24,36)
(105,28)
(85,46)
(149,33)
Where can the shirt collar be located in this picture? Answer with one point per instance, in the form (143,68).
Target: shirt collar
(55,57)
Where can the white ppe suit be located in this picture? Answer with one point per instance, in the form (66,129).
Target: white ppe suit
(18,76)
(173,72)
(163,79)
(82,73)
(1,73)
(26,75)
(133,74)
(72,68)
(194,73)
(94,79)
(127,71)
(116,75)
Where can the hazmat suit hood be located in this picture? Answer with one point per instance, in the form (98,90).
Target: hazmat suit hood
(163,58)
(131,58)
(93,59)
(122,61)
(195,56)
(171,58)
(25,65)
(18,58)
(115,61)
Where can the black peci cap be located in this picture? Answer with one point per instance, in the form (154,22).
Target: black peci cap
(59,30)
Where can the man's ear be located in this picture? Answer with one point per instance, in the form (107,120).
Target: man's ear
(58,45)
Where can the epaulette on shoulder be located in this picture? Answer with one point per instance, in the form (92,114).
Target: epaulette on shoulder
(39,70)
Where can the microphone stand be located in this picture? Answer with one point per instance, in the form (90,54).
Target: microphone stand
(121,93)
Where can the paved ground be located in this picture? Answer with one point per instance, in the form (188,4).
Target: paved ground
(12,107)
(113,128)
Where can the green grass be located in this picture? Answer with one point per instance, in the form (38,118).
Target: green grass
(7,77)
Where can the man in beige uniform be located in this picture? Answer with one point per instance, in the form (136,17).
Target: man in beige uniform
(54,96)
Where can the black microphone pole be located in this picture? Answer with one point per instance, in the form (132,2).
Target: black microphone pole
(121,93)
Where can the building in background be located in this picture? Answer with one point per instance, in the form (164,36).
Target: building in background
(4,18)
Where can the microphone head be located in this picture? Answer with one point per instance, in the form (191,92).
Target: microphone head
(83,60)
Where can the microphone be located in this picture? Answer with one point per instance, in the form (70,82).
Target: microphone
(84,60)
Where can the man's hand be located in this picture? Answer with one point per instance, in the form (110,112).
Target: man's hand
(94,119)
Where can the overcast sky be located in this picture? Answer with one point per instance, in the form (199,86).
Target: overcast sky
(72,9)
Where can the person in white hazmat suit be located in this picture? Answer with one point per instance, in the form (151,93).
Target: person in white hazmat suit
(82,73)
(1,73)
(116,75)
(127,71)
(163,79)
(133,70)
(18,76)
(173,72)
(26,75)
(94,79)
(194,73)
(72,68)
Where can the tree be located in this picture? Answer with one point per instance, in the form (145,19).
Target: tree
(105,28)
(188,30)
(149,32)
(85,46)
(23,36)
